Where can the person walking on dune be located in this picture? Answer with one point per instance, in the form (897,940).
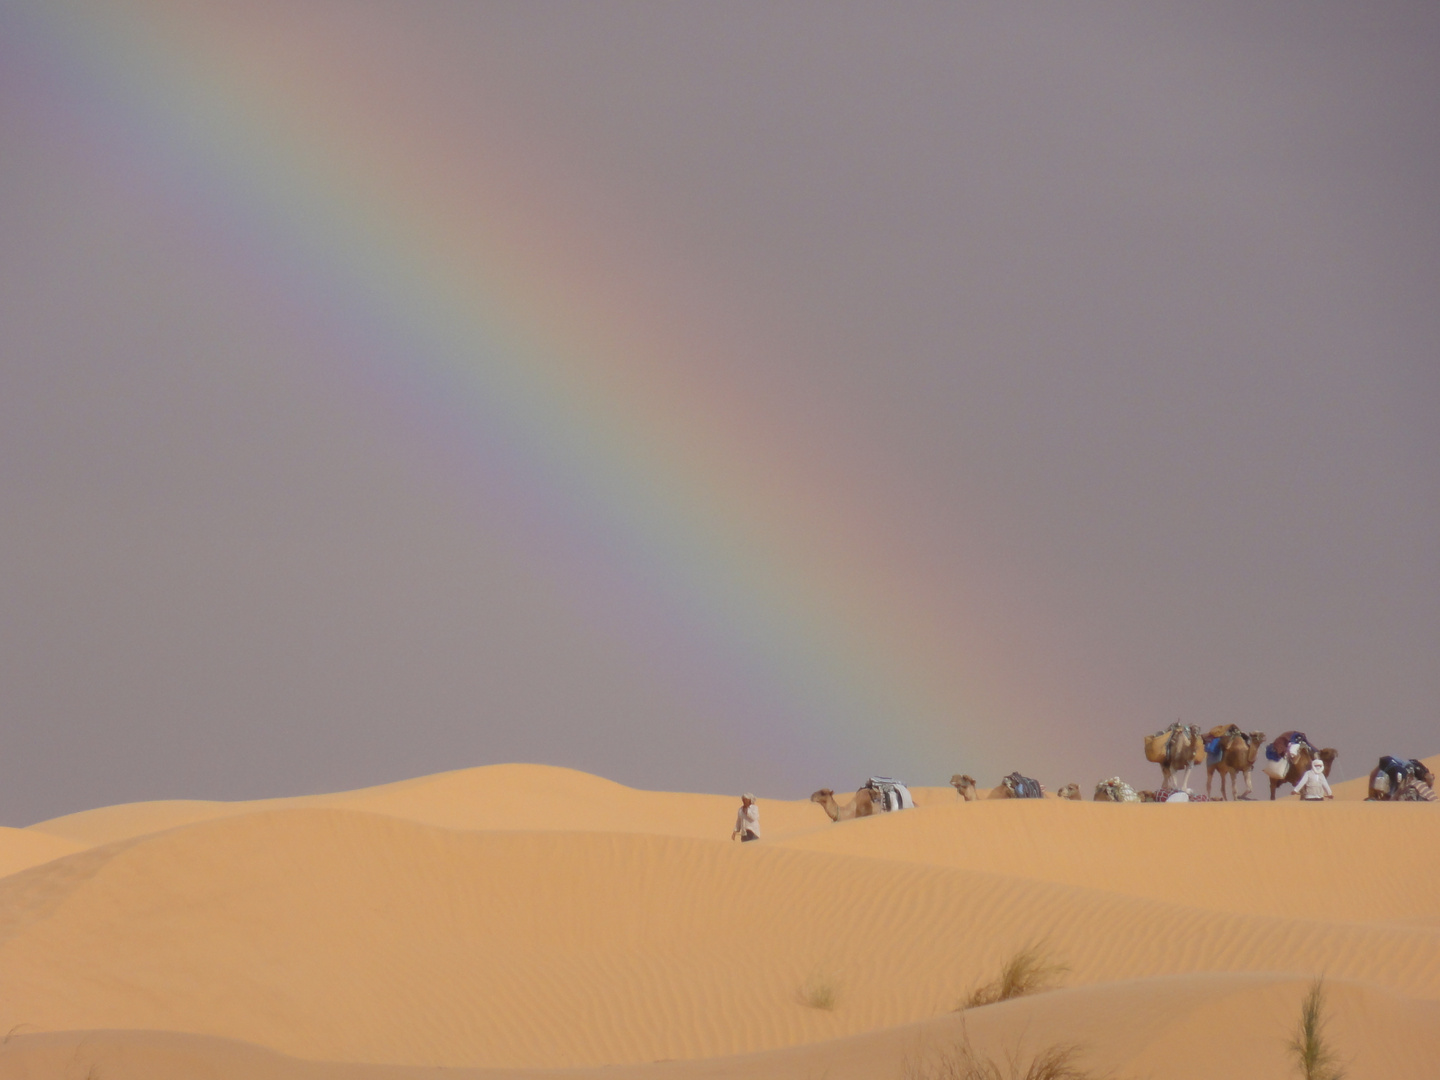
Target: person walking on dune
(747,821)
(1313,787)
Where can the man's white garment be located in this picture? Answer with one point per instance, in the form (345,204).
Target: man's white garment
(748,818)
(1313,785)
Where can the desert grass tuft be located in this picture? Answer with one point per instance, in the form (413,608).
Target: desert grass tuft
(1029,971)
(820,991)
(963,1062)
(1315,1058)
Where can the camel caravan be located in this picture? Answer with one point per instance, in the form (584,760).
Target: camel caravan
(1225,750)
(882,795)
(1231,753)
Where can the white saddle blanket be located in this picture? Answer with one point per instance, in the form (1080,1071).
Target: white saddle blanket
(892,794)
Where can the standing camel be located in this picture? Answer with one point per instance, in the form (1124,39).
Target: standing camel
(1217,741)
(1173,749)
(964,786)
(863,805)
(1236,758)
(1236,766)
(1301,762)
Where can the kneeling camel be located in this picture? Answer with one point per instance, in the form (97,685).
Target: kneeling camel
(863,805)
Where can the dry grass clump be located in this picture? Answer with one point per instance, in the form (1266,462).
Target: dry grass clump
(1315,1058)
(820,991)
(964,1063)
(1029,971)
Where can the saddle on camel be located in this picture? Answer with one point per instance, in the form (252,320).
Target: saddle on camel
(1231,753)
(1174,748)
(1022,787)
(889,794)
(1289,757)
(1281,753)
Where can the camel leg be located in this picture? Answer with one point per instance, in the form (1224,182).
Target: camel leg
(1274,784)
(1209,776)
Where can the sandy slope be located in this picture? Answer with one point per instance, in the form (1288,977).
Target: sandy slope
(1185,1027)
(1239,857)
(21,848)
(525,917)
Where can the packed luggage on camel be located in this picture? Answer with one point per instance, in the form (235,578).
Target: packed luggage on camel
(1401,780)
(1231,753)
(1016,786)
(1115,790)
(881,794)
(1288,759)
(1176,747)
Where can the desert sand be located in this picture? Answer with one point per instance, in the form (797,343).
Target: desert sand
(523,920)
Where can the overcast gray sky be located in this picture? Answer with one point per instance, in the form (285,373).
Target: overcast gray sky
(1112,326)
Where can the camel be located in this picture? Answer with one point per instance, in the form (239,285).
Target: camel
(1235,766)
(1219,738)
(964,786)
(1301,762)
(1115,790)
(1070,791)
(1016,786)
(1237,753)
(1177,747)
(1394,776)
(863,805)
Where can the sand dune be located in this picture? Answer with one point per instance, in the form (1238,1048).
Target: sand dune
(521,917)
(21,848)
(520,797)
(1236,857)
(1184,1027)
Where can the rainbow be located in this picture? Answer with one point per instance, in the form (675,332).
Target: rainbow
(665,505)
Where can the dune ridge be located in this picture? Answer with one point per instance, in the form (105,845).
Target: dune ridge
(436,922)
(23,848)
(523,797)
